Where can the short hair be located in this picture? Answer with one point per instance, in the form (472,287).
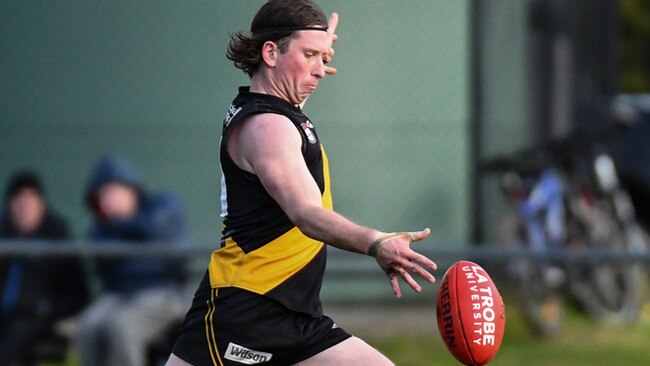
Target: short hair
(23,179)
(276,21)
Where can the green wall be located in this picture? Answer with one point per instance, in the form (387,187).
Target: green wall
(148,80)
(506,101)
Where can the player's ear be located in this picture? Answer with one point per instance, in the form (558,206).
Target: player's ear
(269,53)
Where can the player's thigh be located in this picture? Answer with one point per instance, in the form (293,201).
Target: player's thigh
(176,361)
(351,352)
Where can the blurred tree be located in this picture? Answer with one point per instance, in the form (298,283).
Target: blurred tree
(635,56)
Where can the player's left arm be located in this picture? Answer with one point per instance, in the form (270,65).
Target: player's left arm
(272,149)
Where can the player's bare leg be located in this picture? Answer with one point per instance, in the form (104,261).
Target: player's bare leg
(176,361)
(351,352)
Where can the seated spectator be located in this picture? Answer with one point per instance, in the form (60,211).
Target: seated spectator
(35,292)
(141,296)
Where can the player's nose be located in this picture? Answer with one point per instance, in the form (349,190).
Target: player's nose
(319,68)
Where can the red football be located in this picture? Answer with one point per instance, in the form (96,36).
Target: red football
(470,313)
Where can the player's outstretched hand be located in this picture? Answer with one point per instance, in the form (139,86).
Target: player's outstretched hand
(394,255)
(332,22)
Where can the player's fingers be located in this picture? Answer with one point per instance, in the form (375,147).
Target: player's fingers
(409,280)
(327,57)
(409,266)
(423,260)
(394,284)
(330,70)
(423,273)
(332,23)
(419,235)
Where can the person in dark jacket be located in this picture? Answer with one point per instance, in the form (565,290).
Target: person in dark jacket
(35,292)
(141,296)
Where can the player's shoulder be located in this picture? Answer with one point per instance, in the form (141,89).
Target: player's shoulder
(266,134)
(268,125)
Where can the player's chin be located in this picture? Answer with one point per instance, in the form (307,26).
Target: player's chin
(310,88)
(302,97)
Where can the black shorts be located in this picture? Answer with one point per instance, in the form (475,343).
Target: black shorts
(231,326)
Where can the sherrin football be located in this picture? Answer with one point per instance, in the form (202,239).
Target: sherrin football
(470,314)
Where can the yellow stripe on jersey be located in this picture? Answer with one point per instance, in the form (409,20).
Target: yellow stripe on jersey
(263,269)
(327,194)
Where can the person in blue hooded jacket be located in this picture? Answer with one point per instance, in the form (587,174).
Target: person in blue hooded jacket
(141,296)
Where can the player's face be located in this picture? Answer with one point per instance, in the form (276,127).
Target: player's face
(301,67)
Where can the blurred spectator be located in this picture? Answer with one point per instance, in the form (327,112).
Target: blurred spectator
(35,292)
(141,296)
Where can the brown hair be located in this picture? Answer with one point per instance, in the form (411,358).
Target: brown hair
(276,21)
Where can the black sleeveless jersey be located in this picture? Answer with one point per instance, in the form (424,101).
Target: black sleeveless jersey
(262,251)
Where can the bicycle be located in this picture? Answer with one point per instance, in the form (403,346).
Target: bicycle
(536,282)
(569,198)
(605,219)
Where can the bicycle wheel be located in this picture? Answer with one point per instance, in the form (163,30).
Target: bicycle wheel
(607,289)
(538,298)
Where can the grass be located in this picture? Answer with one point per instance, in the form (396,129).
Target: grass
(581,342)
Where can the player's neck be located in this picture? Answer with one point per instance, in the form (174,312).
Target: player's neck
(263,84)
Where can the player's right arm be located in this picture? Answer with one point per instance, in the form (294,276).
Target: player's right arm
(269,146)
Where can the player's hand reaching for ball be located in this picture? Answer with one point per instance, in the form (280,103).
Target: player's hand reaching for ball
(394,255)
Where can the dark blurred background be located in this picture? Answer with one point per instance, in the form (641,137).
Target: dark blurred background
(425,92)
